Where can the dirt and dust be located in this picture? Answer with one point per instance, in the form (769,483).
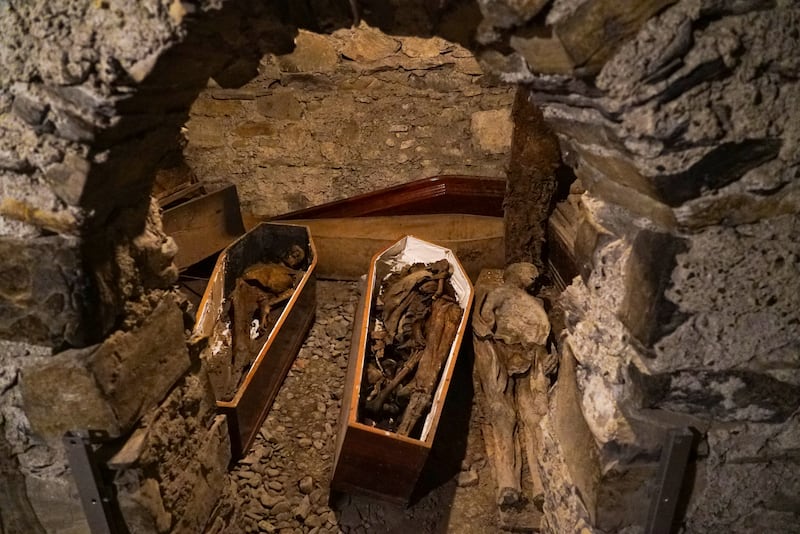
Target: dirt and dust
(282,485)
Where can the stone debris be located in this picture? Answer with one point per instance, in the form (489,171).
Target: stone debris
(467,479)
(303,509)
(281,485)
(306,485)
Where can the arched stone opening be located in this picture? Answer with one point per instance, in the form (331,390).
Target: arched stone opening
(679,126)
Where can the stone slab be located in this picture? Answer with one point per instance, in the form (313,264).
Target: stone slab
(110,386)
(135,370)
(41,290)
(63,395)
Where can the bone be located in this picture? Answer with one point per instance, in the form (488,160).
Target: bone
(443,325)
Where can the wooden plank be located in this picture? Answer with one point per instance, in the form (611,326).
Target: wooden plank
(193,289)
(346,245)
(184,193)
(379,465)
(476,195)
(535,158)
(204,226)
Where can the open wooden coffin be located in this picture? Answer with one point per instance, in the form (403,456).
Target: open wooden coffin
(247,408)
(369,460)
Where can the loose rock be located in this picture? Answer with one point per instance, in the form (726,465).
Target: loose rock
(467,479)
(306,485)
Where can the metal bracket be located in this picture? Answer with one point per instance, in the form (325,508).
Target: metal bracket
(671,474)
(96,497)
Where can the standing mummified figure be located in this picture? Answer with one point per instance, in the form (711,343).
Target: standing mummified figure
(510,332)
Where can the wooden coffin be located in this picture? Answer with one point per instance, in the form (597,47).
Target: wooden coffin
(204,225)
(249,406)
(346,245)
(369,460)
(475,195)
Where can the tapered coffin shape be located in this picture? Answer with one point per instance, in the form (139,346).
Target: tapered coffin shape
(265,243)
(376,462)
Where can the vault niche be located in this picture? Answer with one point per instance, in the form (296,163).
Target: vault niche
(678,119)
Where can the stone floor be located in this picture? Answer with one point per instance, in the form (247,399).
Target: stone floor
(282,485)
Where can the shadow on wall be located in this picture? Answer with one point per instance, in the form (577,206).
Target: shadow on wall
(155,97)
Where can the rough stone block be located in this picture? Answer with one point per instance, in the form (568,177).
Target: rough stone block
(174,432)
(624,495)
(752,492)
(766,191)
(492,130)
(68,178)
(135,370)
(255,129)
(585,128)
(568,461)
(41,290)
(509,13)
(57,504)
(109,386)
(739,288)
(313,53)
(280,105)
(172,468)
(616,167)
(634,201)
(756,442)
(594,31)
(646,311)
(16,513)
(63,395)
(367,45)
(205,478)
(28,107)
(546,56)
(601,345)
(219,104)
(726,163)
(204,132)
(141,505)
(424,48)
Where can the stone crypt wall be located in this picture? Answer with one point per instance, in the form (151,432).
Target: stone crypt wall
(683,133)
(349,113)
(92,96)
(679,118)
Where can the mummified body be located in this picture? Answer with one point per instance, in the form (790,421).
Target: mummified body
(510,332)
(414,330)
(248,316)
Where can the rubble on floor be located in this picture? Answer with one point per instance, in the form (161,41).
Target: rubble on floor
(282,484)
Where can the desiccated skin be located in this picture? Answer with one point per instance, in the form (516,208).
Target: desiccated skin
(510,333)
(402,289)
(445,317)
(254,306)
(407,338)
(270,277)
(294,257)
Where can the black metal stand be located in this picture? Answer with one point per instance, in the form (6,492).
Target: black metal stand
(96,497)
(671,474)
